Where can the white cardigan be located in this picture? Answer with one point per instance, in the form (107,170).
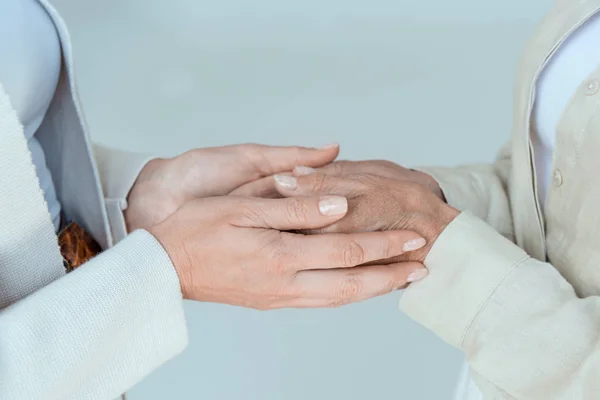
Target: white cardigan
(96,332)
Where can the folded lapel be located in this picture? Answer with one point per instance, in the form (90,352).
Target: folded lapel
(69,155)
(29,254)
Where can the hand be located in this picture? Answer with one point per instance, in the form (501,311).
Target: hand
(377,204)
(164,185)
(382,168)
(230,250)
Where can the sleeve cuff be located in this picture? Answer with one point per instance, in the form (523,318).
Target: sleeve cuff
(468,261)
(152,315)
(118,171)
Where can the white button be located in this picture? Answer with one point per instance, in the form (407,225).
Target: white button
(592,87)
(557,177)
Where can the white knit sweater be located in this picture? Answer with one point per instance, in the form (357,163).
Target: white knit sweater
(96,332)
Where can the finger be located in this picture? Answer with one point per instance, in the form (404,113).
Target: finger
(320,184)
(336,168)
(314,184)
(295,213)
(381,168)
(329,251)
(264,187)
(269,160)
(338,287)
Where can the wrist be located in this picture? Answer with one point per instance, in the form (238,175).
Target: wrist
(429,220)
(177,255)
(434,224)
(439,219)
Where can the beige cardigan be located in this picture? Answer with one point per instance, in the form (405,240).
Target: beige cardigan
(96,332)
(527,316)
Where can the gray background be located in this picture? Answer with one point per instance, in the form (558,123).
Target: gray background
(414,82)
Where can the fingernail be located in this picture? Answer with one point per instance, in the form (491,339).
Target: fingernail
(417,275)
(329,146)
(332,206)
(301,170)
(414,244)
(286,182)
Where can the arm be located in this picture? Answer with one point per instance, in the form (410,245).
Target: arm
(525,332)
(480,189)
(97,331)
(118,172)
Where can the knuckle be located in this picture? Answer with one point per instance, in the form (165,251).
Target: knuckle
(318,182)
(257,159)
(279,260)
(285,258)
(277,265)
(339,167)
(250,150)
(351,288)
(297,211)
(295,154)
(244,214)
(369,180)
(352,254)
(386,249)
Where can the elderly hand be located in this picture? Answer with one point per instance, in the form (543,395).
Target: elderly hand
(231,250)
(264,187)
(376,203)
(164,185)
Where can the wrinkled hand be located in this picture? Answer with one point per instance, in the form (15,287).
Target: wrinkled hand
(381,168)
(230,250)
(376,203)
(164,185)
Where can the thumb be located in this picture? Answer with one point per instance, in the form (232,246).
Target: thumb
(294,213)
(270,160)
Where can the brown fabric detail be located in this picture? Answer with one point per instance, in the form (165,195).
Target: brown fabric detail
(77,246)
